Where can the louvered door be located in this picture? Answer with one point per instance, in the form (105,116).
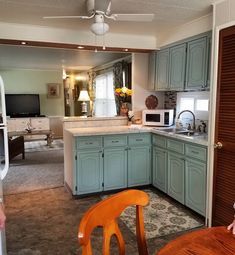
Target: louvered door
(224,170)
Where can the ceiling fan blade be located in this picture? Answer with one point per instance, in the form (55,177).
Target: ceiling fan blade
(133,17)
(108,11)
(69,17)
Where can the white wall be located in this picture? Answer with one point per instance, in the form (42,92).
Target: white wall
(35,82)
(192,28)
(140,84)
(46,34)
(224,12)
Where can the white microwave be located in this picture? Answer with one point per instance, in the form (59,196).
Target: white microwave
(159,117)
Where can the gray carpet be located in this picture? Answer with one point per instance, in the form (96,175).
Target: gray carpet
(39,170)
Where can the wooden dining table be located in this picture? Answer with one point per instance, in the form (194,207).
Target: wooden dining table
(208,241)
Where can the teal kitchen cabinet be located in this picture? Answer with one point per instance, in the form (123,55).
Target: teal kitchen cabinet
(152,71)
(176,176)
(195,190)
(159,160)
(89,170)
(162,70)
(115,168)
(139,160)
(195,177)
(115,162)
(177,67)
(197,64)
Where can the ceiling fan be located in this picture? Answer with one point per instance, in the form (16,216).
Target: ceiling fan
(101,9)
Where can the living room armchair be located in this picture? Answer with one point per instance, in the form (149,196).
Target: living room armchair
(16,147)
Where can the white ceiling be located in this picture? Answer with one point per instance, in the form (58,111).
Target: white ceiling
(168,13)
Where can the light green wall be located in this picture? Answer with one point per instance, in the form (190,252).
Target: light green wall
(35,82)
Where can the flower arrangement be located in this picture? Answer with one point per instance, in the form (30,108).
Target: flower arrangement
(123,94)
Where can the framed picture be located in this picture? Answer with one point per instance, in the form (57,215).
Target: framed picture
(53,90)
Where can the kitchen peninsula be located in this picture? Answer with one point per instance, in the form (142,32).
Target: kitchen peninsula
(110,158)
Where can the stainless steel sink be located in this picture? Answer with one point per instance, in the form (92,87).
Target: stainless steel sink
(182,132)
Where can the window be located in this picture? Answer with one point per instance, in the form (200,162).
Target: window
(104,96)
(202,105)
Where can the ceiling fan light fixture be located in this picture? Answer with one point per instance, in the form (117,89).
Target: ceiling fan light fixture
(99,28)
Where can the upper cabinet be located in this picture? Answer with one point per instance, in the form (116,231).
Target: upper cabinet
(197,60)
(177,67)
(152,71)
(162,69)
(183,66)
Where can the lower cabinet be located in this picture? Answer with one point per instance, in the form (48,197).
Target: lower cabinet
(179,169)
(176,177)
(89,171)
(139,162)
(195,190)
(160,168)
(115,168)
(112,162)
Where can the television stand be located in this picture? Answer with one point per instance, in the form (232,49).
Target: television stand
(47,133)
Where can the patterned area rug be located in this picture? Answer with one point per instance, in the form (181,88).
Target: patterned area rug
(162,216)
(41,145)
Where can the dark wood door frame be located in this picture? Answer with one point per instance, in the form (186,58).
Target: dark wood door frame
(224,159)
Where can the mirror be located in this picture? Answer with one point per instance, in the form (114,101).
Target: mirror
(30,69)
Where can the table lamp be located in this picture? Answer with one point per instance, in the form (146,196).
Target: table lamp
(84,97)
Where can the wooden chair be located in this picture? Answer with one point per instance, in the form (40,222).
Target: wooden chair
(105,213)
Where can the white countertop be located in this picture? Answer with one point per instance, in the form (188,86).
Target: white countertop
(202,139)
(77,118)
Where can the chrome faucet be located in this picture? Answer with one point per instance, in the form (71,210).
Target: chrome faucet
(193,124)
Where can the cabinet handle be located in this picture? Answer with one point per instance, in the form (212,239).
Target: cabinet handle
(100,151)
(89,143)
(126,149)
(115,141)
(195,152)
(139,140)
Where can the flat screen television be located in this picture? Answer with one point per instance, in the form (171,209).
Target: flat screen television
(22,105)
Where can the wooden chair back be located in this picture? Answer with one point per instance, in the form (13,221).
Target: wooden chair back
(105,213)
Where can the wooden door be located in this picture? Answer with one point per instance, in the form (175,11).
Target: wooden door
(224,162)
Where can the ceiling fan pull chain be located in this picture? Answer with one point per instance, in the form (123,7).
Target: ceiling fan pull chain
(103,38)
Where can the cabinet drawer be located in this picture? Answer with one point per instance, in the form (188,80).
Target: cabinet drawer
(175,145)
(139,139)
(113,141)
(40,123)
(195,152)
(88,142)
(159,141)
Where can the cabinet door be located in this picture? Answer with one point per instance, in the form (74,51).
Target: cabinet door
(176,177)
(139,162)
(197,58)
(89,172)
(162,69)
(160,169)
(152,71)
(195,190)
(177,67)
(115,168)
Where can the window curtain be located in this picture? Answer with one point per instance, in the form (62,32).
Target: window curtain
(91,89)
(104,101)
(121,75)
